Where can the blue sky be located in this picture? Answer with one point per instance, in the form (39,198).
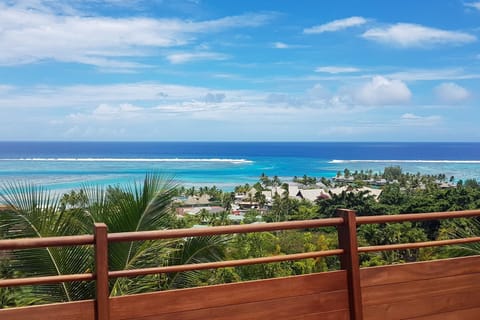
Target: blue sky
(189,70)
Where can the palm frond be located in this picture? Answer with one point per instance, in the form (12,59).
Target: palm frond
(35,212)
(195,250)
(139,206)
(466,228)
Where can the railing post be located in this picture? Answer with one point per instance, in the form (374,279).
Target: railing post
(347,240)
(101,272)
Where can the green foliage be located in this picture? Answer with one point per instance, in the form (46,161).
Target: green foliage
(304,211)
(471,183)
(305,180)
(362,202)
(392,173)
(463,228)
(392,195)
(142,206)
(194,250)
(251,216)
(391,233)
(34,212)
(255,245)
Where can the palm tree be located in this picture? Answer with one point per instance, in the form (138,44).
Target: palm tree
(227,200)
(35,212)
(463,228)
(260,199)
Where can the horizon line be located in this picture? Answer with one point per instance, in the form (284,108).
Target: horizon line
(235,141)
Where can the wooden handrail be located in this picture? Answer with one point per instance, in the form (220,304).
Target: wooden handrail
(14,244)
(232,229)
(417,245)
(29,243)
(25,243)
(417,217)
(224,264)
(46,279)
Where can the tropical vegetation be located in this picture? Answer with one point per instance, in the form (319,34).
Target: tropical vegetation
(35,212)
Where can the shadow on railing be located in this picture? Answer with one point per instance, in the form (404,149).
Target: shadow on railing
(348,251)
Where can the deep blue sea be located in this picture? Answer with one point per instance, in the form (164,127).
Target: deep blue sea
(62,166)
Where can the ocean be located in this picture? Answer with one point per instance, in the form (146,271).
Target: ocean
(62,166)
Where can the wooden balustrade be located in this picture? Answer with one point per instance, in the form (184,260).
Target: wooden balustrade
(353,277)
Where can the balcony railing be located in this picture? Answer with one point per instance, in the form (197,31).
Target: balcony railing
(351,293)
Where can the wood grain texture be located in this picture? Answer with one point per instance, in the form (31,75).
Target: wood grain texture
(417,216)
(347,240)
(231,229)
(429,305)
(101,272)
(283,308)
(421,289)
(81,310)
(424,290)
(418,271)
(332,315)
(466,314)
(168,302)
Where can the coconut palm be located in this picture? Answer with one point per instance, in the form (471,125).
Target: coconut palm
(34,212)
(464,228)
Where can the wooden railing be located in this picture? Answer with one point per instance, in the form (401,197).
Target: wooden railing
(347,283)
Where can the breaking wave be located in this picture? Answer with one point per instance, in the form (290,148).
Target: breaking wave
(234,161)
(407,161)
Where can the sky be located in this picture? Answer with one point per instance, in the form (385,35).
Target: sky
(215,70)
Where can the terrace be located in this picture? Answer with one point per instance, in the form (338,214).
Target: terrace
(440,289)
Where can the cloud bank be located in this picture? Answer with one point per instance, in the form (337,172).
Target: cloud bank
(34,35)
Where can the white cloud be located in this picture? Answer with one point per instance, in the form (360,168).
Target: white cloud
(283,45)
(124,96)
(34,35)
(84,96)
(407,35)
(318,92)
(214,97)
(407,75)
(106,109)
(137,111)
(200,121)
(5,88)
(410,116)
(449,92)
(475,5)
(336,25)
(282,99)
(416,120)
(280,45)
(240,21)
(336,69)
(185,57)
(432,74)
(382,91)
